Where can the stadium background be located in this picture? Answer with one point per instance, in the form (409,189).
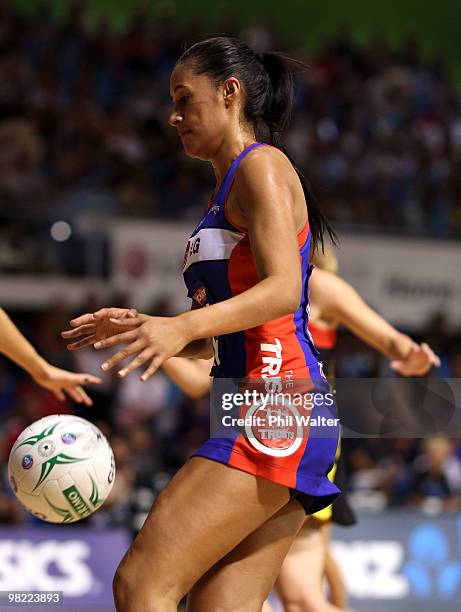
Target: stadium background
(96,198)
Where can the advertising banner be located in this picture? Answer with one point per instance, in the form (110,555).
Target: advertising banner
(78,562)
(397,561)
(401,562)
(407,280)
(147,260)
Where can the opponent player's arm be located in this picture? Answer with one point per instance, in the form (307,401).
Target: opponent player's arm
(192,376)
(197,349)
(340,302)
(15,346)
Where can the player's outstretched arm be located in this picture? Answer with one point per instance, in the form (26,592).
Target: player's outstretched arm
(93,327)
(15,346)
(341,303)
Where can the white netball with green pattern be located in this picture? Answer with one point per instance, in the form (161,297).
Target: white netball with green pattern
(61,468)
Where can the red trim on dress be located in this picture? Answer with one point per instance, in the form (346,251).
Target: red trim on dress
(324,337)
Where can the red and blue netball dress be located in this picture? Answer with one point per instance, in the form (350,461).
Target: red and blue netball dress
(280,354)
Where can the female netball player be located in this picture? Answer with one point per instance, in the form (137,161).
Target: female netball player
(18,349)
(223,525)
(333,302)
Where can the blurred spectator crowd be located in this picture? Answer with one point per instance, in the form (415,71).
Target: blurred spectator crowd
(84,134)
(153,428)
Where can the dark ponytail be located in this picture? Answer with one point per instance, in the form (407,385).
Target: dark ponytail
(267,80)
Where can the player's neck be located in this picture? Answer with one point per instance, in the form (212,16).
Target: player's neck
(228,153)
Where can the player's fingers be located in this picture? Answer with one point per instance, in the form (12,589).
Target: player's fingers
(130,314)
(154,366)
(433,358)
(85,379)
(132,348)
(136,362)
(82,320)
(102,313)
(88,379)
(59,395)
(402,368)
(81,343)
(106,313)
(73,394)
(79,331)
(425,348)
(128,322)
(86,399)
(124,338)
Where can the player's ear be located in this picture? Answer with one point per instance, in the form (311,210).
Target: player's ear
(231,90)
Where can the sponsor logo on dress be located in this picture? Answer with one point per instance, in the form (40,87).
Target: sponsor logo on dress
(192,247)
(200,296)
(273,428)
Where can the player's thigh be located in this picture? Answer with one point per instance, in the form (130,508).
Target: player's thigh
(242,580)
(203,513)
(300,581)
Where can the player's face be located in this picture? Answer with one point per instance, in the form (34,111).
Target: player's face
(199,112)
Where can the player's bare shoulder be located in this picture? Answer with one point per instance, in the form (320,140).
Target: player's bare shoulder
(266,181)
(265,163)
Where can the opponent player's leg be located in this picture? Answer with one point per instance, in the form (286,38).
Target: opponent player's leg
(333,575)
(241,581)
(300,581)
(204,512)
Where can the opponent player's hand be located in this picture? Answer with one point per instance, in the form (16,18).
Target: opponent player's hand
(155,339)
(96,326)
(61,382)
(420,359)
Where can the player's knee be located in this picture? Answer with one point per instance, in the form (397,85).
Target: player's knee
(122,587)
(131,595)
(132,587)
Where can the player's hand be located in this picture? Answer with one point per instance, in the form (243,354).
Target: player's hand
(61,382)
(418,362)
(96,326)
(154,340)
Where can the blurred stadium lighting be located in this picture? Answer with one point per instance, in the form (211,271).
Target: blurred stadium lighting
(61,231)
